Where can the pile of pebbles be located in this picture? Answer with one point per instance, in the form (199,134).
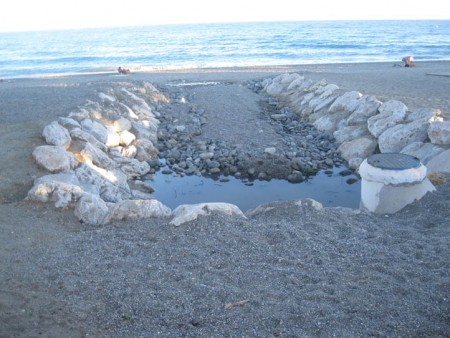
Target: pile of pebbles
(304,151)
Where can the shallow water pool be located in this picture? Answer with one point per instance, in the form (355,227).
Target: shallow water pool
(330,189)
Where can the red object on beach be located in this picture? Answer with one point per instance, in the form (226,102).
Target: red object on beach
(123,71)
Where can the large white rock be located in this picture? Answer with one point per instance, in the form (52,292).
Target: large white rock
(143,131)
(391,113)
(106,97)
(327,90)
(78,134)
(111,185)
(129,151)
(429,114)
(68,123)
(56,135)
(96,129)
(131,167)
(325,103)
(394,139)
(361,147)
(349,133)
(154,94)
(330,122)
(189,212)
(439,132)
(63,189)
(91,210)
(423,151)
(295,85)
(346,102)
(96,156)
(126,138)
(54,159)
(323,97)
(121,125)
(112,138)
(146,151)
(367,106)
(137,209)
(280,83)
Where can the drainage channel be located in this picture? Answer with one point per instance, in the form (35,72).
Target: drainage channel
(333,188)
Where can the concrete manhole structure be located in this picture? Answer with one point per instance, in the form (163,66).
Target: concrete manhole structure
(391,181)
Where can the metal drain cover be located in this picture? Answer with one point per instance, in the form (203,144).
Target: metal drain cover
(393,161)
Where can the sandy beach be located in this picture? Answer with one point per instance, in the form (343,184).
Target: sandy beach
(294,270)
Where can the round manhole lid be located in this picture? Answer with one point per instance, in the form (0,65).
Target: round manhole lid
(393,161)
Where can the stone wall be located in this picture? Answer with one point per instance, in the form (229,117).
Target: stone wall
(362,125)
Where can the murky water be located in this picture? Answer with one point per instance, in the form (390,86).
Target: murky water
(330,189)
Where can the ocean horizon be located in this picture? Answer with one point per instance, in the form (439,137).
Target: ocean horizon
(197,46)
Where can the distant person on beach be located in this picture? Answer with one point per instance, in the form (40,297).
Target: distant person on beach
(408,60)
(123,71)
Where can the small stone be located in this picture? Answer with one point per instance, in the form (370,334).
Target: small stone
(329,162)
(351,181)
(346,172)
(214,171)
(270,150)
(296,178)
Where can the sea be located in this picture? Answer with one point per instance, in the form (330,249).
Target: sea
(165,47)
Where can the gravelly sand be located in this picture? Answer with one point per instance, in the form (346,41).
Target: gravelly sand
(288,271)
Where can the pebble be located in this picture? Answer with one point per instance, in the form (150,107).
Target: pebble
(305,150)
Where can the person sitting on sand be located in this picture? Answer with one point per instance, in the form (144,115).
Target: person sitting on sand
(408,60)
(123,71)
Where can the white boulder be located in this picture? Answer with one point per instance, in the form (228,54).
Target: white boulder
(96,156)
(137,209)
(189,212)
(394,139)
(96,129)
(330,122)
(111,185)
(106,97)
(367,107)
(91,210)
(391,113)
(361,147)
(439,132)
(423,151)
(126,138)
(131,167)
(350,133)
(121,125)
(68,123)
(55,134)
(112,138)
(54,159)
(429,114)
(63,189)
(81,135)
(346,102)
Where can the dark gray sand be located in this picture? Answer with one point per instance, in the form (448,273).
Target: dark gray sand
(290,271)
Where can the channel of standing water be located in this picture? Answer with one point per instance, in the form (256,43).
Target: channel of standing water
(338,187)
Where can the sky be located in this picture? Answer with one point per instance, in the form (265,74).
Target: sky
(34,15)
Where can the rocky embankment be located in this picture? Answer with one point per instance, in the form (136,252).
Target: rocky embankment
(363,125)
(98,154)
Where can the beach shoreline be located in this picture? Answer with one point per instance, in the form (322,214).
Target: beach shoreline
(301,270)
